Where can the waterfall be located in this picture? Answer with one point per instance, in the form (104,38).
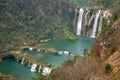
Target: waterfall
(46,71)
(101,19)
(95,24)
(79,24)
(30,48)
(23,59)
(33,67)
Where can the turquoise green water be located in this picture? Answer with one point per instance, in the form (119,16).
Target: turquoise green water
(84,42)
(21,72)
(47,58)
(72,46)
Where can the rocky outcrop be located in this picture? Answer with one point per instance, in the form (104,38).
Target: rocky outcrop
(107,46)
(114,60)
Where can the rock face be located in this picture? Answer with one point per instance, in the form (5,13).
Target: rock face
(108,46)
(90,21)
(114,60)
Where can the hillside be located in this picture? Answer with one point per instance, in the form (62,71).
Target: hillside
(101,62)
(26,22)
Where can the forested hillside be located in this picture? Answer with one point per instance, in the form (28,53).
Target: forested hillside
(29,21)
(25,22)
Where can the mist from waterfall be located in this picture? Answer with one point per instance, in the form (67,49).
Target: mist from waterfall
(79,24)
(95,24)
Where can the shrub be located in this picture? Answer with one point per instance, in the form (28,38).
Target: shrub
(107,68)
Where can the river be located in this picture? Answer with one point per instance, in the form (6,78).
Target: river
(22,72)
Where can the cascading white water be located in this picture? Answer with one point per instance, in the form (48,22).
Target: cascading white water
(101,19)
(46,71)
(79,24)
(30,48)
(95,24)
(33,67)
(23,59)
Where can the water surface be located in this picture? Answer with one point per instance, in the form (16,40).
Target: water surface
(84,42)
(21,72)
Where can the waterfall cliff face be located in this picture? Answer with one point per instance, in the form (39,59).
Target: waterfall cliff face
(90,21)
(79,24)
(95,24)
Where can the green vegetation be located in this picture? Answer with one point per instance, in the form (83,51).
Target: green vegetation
(39,20)
(105,3)
(112,47)
(114,77)
(114,17)
(69,34)
(107,68)
(26,22)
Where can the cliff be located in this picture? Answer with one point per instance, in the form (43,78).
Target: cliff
(109,46)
